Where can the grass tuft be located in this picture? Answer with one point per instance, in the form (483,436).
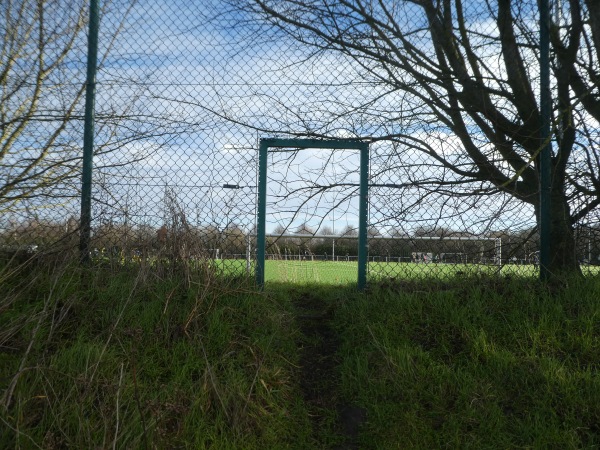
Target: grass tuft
(136,359)
(478,363)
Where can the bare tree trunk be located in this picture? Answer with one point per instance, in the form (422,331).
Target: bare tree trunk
(563,260)
(563,252)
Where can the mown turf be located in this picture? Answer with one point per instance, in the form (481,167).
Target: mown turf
(346,272)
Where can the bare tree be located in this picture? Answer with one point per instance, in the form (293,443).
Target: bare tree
(43,49)
(37,97)
(461,82)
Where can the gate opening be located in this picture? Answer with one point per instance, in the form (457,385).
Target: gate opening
(330,144)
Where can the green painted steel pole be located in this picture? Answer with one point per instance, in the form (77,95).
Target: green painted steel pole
(88,136)
(261,213)
(545,215)
(362,217)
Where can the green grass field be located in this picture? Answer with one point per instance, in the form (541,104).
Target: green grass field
(342,272)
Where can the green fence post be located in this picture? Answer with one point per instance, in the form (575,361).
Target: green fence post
(88,136)
(261,213)
(362,217)
(545,214)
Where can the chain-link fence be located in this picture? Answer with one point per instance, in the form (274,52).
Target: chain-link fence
(446,94)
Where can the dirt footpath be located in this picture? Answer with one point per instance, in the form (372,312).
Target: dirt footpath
(335,423)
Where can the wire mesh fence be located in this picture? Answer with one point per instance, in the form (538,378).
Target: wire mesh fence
(447,95)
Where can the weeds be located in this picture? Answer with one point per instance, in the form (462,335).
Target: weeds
(138,358)
(481,363)
(172,354)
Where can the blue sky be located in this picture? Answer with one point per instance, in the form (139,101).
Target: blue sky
(174,64)
(180,65)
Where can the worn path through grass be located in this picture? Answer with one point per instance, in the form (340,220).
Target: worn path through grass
(335,422)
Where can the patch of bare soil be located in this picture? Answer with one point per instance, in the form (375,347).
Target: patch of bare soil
(319,374)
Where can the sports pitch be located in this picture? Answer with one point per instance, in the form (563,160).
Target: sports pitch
(343,272)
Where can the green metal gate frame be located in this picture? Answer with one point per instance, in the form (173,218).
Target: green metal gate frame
(333,144)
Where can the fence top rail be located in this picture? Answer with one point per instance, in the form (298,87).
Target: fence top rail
(315,143)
